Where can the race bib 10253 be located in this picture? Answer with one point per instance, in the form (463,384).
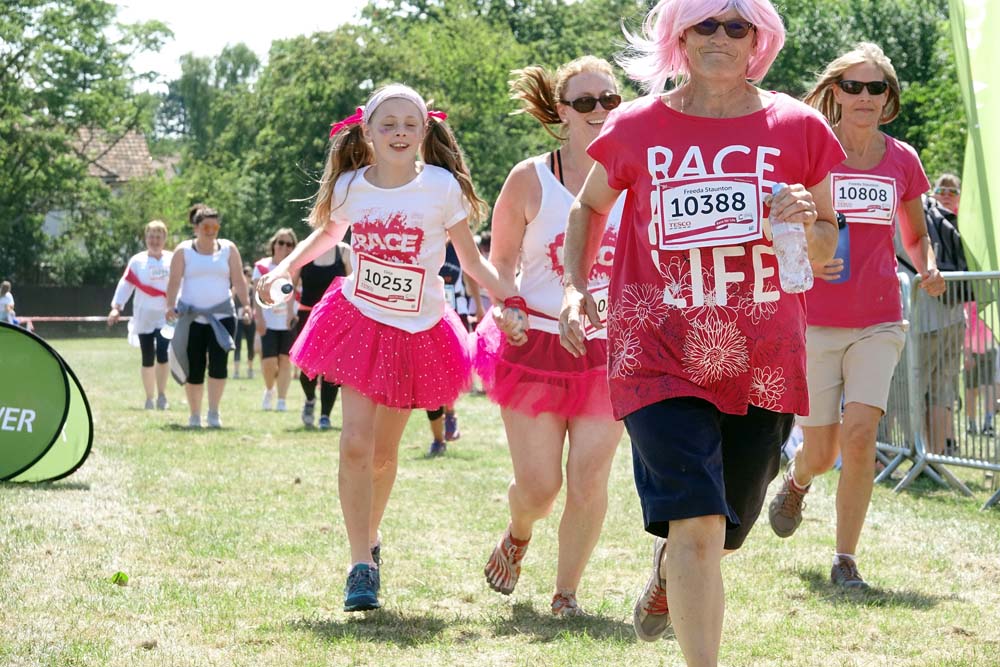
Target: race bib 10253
(393,288)
(706,211)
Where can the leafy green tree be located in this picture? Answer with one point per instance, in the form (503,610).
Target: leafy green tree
(60,72)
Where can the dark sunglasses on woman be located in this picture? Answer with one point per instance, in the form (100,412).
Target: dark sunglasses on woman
(735,29)
(855,87)
(587,103)
(947,191)
(284,243)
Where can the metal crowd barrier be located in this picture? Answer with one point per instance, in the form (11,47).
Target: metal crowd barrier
(943,401)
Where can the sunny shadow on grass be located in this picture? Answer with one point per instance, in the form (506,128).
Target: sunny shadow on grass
(822,588)
(384,626)
(525,621)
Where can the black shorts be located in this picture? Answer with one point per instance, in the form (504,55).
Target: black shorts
(692,460)
(275,342)
(153,347)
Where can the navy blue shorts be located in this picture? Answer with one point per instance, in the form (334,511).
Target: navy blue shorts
(692,460)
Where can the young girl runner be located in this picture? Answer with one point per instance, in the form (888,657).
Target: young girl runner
(384,334)
(546,394)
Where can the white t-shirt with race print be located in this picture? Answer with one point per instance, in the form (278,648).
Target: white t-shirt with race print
(398,238)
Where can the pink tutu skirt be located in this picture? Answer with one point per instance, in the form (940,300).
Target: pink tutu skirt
(390,366)
(541,376)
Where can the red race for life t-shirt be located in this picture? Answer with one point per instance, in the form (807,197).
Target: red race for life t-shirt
(695,304)
(871,201)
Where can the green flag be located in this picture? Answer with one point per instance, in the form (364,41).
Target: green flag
(974,25)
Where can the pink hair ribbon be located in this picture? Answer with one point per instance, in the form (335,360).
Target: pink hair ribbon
(353,119)
(439,115)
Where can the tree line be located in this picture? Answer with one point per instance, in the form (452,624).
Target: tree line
(251,137)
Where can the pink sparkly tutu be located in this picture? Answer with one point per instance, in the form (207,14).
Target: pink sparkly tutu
(541,376)
(390,366)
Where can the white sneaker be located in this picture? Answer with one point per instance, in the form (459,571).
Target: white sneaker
(268,402)
(281,405)
(236,374)
(213,419)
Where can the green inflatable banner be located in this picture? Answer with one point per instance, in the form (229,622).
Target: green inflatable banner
(46,427)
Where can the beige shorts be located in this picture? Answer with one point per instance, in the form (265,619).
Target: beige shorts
(855,365)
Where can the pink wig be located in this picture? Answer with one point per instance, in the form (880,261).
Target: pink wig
(658,55)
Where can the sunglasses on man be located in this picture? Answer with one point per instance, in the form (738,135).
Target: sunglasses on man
(855,87)
(954,192)
(735,29)
(588,103)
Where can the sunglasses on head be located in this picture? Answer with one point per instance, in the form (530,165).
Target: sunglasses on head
(855,87)
(588,103)
(947,191)
(283,242)
(735,29)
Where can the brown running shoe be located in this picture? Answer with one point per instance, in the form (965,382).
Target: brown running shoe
(564,605)
(651,615)
(504,565)
(845,574)
(785,510)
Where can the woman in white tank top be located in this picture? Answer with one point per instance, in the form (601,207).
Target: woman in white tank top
(205,272)
(545,394)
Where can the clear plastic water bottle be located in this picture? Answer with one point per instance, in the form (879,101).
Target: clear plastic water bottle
(280,292)
(167,331)
(843,251)
(789,239)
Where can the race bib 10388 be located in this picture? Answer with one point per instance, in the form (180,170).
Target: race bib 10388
(707,211)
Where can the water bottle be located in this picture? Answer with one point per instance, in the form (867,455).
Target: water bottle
(280,291)
(789,239)
(167,331)
(843,249)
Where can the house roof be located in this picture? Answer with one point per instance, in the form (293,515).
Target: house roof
(116,158)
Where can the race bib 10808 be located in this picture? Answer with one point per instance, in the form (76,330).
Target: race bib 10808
(393,288)
(707,211)
(864,198)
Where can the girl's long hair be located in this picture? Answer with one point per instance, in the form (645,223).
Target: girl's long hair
(441,149)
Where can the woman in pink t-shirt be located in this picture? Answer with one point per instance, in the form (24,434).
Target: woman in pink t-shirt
(856,330)
(546,395)
(706,353)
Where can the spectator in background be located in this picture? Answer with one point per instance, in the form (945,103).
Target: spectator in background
(7,304)
(205,273)
(940,323)
(273,325)
(246,329)
(980,349)
(145,281)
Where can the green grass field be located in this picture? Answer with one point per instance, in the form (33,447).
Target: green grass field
(234,545)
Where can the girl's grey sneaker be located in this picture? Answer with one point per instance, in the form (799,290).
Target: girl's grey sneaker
(149,404)
(361,591)
(161,402)
(194,421)
(213,419)
(651,615)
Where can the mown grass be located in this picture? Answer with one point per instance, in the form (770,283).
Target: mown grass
(236,554)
